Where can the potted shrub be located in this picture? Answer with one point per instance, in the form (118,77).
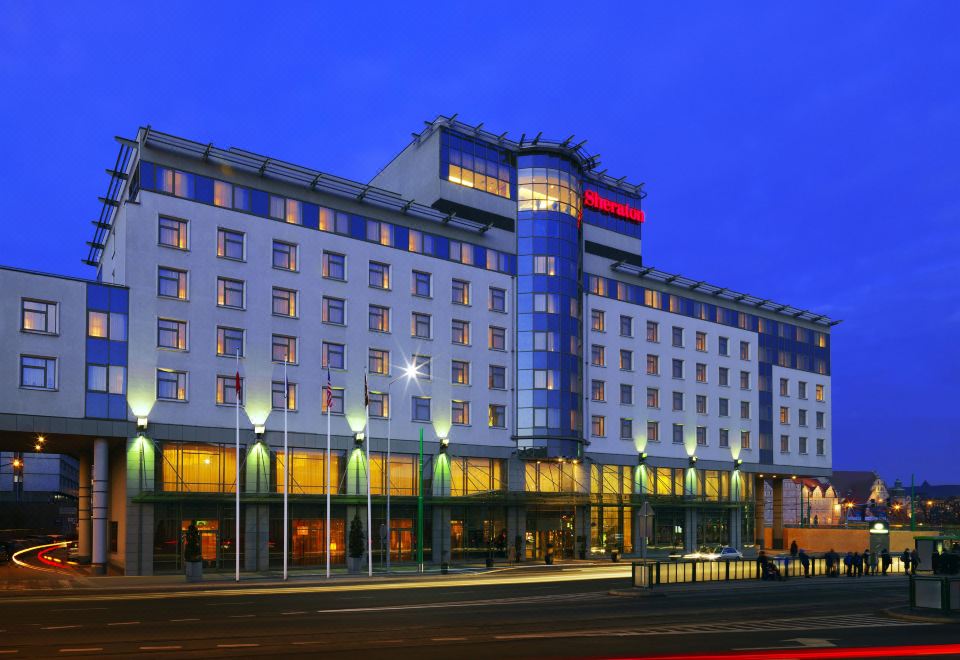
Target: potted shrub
(192,554)
(355,546)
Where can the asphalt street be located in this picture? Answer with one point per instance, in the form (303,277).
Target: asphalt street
(560,612)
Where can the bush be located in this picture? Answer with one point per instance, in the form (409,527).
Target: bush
(191,549)
(355,545)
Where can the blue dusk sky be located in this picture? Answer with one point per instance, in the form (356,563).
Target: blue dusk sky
(803,152)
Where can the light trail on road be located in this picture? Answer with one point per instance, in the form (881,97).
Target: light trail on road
(40,550)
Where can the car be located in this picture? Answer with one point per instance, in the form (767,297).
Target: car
(723,553)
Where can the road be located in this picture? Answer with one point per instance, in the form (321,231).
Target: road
(561,612)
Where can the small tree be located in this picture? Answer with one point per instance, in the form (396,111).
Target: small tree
(191,550)
(356,545)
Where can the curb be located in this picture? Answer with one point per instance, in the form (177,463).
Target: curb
(636,592)
(898,613)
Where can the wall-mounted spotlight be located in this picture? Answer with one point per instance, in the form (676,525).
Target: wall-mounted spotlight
(444,443)
(642,458)
(693,461)
(259,430)
(141,424)
(737,463)
(358,439)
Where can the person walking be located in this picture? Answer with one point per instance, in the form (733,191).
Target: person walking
(793,549)
(866,561)
(804,563)
(885,561)
(761,564)
(848,564)
(935,560)
(828,560)
(914,561)
(857,564)
(905,560)
(874,560)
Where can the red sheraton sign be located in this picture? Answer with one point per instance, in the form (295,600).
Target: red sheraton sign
(593,200)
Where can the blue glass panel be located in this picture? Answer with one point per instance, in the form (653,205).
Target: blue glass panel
(116,406)
(98,297)
(97,405)
(118,353)
(401,237)
(203,189)
(310,215)
(98,350)
(119,300)
(147,176)
(259,202)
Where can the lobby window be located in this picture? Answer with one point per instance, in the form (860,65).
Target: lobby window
(379,275)
(653,397)
(230,244)
(380,232)
(677,368)
(821,420)
(701,341)
(598,390)
(678,400)
(38,316)
(784,444)
(497,338)
(420,325)
(422,284)
(802,417)
(497,377)
(171,283)
(378,318)
(598,355)
(784,415)
(701,372)
(230,293)
(626,428)
(284,302)
(111,379)
(284,255)
(379,404)
(724,438)
(653,431)
(723,346)
(626,394)
(284,349)
(723,407)
(172,233)
(420,409)
(229,342)
(744,380)
(459,372)
(745,439)
(460,292)
(821,446)
(544,379)
(626,326)
(653,331)
(544,341)
(281,399)
(544,265)
(723,377)
(333,356)
(653,364)
(107,325)
(678,434)
(475,164)
(334,266)
(497,416)
(378,361)
(677,336)
(626,360)
(701,404)
(744,410)
(460,413)
(801,390)
(598,320)
(598,426)
(38,373)
(423,366)
(784,387)
(702,436)
(498,300)
(460,332)
(336,402)
(171,385)
(333,311)
(802,445)
(548,189)
(172,334)
(744,350)
(819,392)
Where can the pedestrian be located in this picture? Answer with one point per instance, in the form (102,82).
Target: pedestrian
(848,564)
(816,521)
(804,563)
(828,560)
(793,549)
(858,564)
(518,548)
(905,560)
(866,561)
(914,561)
(935,561)
(885,561)
(874,560)
(761,564)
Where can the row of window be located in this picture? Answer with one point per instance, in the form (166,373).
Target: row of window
(802,445)
(38,372)
(598,323)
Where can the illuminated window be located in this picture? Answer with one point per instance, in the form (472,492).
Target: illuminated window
(222,194)
(597,320)
(198,468)
(784,387)
(544,265)
(653,365)
(171,385)
(379,318)
(379,275)
(173,233)
(335,222)
(284,255)
(107,325)
(496,338)
(701,372)
(497,416)
(461,253)
(307,471)
(475,475)
(653,397)
(284,349)
(460,293)
(460,332)
(380,232)
(745,439)
(227,390)
(284,302)
(653,431)
(378,361)
(701,404)
(379,404)
(544,341)
(598,390)
(476,164)
(653,331)
(422,284)
(598,355)
(230,293)
(784,415)
(701,341)
(820,339)
(652,299)
(230,244)
(598,426)
(334,266)
(279,398)
(702,436)
(38,316)
(336,402)
(626,360)
(460,413)
(334,311)
(171,283)
(459,372)
(420,325)
(333,356)
(548,189)
(38,372)
(293,212)
(819,393)
(744,410)
(172,334)
(110,379)
(744,350)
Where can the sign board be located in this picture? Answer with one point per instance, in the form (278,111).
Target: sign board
(593,200)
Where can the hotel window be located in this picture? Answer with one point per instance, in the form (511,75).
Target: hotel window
(230,342)
(653,331)
(379,275)
(334,266)
(544,341)
(277,207)
(598,355)
(230,244)
(284,302)
(420,325)
(173,233)
(723,346)
(335,222)
(545,303)
(784,415)
(801,390)
(379,404)
(336,402)
(653,397)
(460,332)
(497,377)
(701,341)
(222,194)
(498,300)
(380,232)
(744,410)
(598,390)
(626,360)
(598,285)
(241,198)
(280,399)
(422,284)
(497,416)
(802,417)
(39,373)
(701,372)
(294,212)
(460,292)
(497,338)
(171,385)
(475,164)
(784,444)
(653,431)
(172,334)
(460,413)
(423,365)
(171,283)
(544,379)
(820,339)
(821,445)
(284,255)
(544,265)
(701,404)
(745,439)
(723,377)
(653,365)
(459,372)
(784,387)
(626,428)
(723,407)
(461,252)
(702,436)
(420,409)
(598,426)
(379,318)
(38,316)
(497,261)
(820,420)
(744,380)
(107,325)
(802,445)
(284,349)
(678,400)
(744,350)
(724,438)
(333,311)
(677,336)
(547,189)
(378,361)
(819,392)
(230,293)
(598,320)
(626,326)
(677,368)
(626,394)
(333,356)
(110,379)
(678,434)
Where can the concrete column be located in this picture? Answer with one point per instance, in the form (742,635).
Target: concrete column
(759,517)
(440,545)
(777,513)
(581,527)
(101,475)
(517,526)
(736,528)
(256,537)
(83,510)
(690,530)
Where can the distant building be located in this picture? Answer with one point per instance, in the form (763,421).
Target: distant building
(38,491)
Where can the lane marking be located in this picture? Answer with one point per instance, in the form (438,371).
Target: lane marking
(241,616)
(161,648)
(59,627)
(447,639)
(124,623)
(234,646)
(78,609)
(288,613)
(179,620)
(547,600)
(83,650)
(245,602)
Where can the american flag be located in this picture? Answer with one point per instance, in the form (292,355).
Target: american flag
(329,390)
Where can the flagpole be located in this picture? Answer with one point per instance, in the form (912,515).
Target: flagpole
(366,437)
(327,466)
(286,470)
(236,537)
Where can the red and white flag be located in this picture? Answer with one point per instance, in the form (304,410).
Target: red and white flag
(238,386)
(329,390)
